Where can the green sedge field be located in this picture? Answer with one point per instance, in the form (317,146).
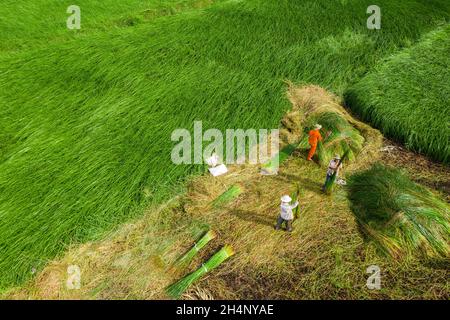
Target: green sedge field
(392,96)
(86,115)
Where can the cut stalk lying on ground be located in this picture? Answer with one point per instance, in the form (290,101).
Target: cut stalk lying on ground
(225,198)
(186,259)
(271,166)
(177,289)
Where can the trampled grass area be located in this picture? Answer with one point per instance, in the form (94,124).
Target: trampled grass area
(408,96)
(86,124)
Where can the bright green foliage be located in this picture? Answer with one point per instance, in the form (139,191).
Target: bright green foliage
(86,123)
(178,288)
(28,24)
(408,96)
(398,214)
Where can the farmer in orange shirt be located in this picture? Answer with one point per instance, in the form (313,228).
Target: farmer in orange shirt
(314,138)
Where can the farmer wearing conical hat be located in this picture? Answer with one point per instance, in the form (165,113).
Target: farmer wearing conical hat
(314,138)
(286,215)
(334,166)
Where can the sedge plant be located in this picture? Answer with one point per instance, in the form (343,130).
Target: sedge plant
(229,195)
(178,288)
(271,166)
(295,195)
(399,215)
(407,96)
(328,188)
(186,259)
(342,137)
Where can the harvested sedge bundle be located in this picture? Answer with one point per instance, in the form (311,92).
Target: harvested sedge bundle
(343,137)
(232,193)
(176,290)
(188,256)
(399,215)
(330,183)
(294,197)
(271,166)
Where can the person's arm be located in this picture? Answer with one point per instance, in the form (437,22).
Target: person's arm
(294,205)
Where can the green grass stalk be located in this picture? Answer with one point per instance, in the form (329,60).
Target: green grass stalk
(232,193)
(329,185)
(187,258)
(178,288)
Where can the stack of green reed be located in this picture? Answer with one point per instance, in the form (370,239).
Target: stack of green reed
(399,215)
(232,193)
(272,165)
(295,195)
(328,188)
(178,288)
(189,256)
(343,137)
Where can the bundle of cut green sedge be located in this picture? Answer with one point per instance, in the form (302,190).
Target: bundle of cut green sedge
(295,195)
(176,290)
(232,193)
(343,137)
(330,183)
(188,256)
(272,165)
(399,215)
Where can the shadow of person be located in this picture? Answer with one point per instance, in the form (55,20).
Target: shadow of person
(305,183)
(251,216)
